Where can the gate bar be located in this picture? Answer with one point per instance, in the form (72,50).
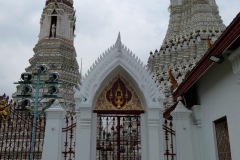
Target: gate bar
(118,137)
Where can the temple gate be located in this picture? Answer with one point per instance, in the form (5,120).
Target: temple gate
(118,122)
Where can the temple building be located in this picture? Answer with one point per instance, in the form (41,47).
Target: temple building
(182,105)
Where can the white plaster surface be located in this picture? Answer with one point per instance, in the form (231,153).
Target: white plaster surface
(219,96)
(181,120)
(53,133)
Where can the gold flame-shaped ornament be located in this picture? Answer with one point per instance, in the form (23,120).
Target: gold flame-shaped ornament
(209,44)
(4,110)
(118,97)
(172,80)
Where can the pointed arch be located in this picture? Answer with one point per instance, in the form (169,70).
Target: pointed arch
(118,59)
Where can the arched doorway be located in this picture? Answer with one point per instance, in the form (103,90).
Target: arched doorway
(93,100)
(118,111)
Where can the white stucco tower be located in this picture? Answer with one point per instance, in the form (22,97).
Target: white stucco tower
(194,25)
(55,47)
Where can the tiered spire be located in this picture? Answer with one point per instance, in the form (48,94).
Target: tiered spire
(189,15)
(55,47)
(193,26)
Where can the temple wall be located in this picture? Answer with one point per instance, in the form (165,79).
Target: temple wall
(218,94)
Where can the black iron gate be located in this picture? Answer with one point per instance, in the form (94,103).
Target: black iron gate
(118,137)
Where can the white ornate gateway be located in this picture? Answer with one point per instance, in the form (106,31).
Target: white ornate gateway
(118,61)
(117,85)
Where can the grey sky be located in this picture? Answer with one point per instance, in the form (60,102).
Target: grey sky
(142,23)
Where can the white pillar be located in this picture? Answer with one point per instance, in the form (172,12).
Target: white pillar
(144,137)
(93,136)
(181,120)
(52,148)
(196,132)
(83,130)
(155,134)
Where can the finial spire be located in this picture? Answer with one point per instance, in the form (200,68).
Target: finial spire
(119,37)
(118,42)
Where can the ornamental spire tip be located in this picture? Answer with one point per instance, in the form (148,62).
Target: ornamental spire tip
(119,37)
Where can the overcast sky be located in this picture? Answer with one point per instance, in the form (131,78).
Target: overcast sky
(142,23)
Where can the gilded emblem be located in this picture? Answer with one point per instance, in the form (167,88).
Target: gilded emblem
(118,95)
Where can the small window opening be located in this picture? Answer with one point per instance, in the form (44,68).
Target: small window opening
(53,26)
(222,137)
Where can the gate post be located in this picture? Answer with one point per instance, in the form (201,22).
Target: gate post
(182,121)
(52,148)
(83,130)
(155,134)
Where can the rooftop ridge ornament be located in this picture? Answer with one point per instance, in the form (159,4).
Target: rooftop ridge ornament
(172,80)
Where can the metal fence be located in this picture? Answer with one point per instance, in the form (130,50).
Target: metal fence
(170,152)
(69,137)
(15,135)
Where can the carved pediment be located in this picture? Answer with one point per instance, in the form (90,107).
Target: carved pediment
(118,95)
